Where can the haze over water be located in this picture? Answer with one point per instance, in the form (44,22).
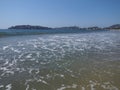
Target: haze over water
(71,61)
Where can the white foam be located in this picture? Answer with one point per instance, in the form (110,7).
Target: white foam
(29,56)
(6,63)
(1,86)
(10,72)
(5,47)
(20,55)
(92,84)
(74,86)
(27,88)
(4,68)
(51,49)
(83,88)
(67,87)
(109,86)
(20,44)
(9,87)
(62,88)
(61,75)
(40,80)
(17,51)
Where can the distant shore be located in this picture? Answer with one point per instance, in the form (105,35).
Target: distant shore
(33,30)
(113,27)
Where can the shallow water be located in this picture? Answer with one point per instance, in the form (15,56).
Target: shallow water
(83,61)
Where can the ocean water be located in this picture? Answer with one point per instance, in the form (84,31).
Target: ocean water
(11,32)
(60,61)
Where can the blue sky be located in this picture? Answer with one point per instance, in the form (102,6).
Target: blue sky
(57,13)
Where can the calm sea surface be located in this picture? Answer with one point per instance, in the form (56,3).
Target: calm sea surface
(59,60)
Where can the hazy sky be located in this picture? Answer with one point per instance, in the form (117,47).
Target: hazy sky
(56,13)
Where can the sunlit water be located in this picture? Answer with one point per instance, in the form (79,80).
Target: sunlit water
(83,61)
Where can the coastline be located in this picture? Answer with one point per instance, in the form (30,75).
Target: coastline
(31,27)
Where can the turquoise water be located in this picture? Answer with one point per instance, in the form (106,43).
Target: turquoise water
(61,61)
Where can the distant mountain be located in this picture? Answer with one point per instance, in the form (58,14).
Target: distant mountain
(69,28)
(116,26)
(113,27)
(28,27)
(78,28)
(94,28)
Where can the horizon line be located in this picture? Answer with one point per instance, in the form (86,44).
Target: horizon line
(60,26)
